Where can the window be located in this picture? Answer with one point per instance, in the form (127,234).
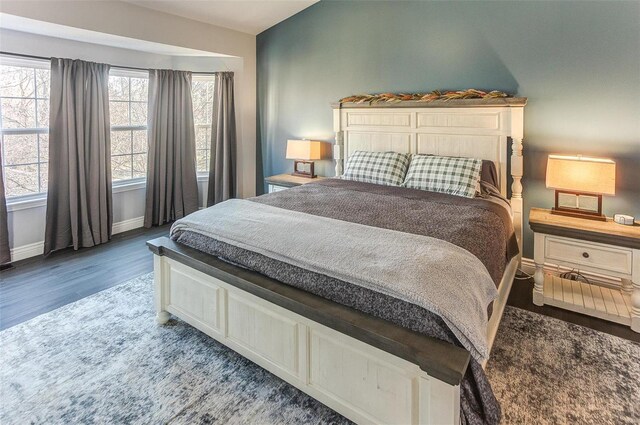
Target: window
(24,122)
(128,94)
(202,87)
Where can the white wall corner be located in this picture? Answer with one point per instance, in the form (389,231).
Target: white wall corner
(126,225)
(27,251)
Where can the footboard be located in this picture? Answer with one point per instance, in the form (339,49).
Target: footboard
(366,369)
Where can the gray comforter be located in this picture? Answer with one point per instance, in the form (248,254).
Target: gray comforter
(382,260)
(481,226)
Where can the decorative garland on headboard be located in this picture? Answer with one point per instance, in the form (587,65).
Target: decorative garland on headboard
(423,97)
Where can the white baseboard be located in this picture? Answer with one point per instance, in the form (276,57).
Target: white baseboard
(37,248)
(126,225)
(528,266)
(26,251)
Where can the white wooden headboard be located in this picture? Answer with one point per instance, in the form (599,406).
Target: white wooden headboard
(466,128)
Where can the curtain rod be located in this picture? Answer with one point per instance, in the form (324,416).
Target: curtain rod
(22,55)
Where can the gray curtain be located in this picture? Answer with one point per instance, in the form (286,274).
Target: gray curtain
(222,168)
(79,206)
(5,254)
(172,189)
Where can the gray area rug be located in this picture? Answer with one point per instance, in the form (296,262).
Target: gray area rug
(103,360)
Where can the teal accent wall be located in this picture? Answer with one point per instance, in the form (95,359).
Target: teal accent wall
(577,62)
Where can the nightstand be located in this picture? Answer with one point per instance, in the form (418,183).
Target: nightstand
(602,247)
(285,181)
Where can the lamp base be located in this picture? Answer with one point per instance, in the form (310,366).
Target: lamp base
(303,169)
(578,214)
(569,204)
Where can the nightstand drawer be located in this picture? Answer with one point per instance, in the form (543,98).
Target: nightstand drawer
(598,256)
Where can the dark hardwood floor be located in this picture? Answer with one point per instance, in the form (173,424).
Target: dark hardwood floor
(38,285)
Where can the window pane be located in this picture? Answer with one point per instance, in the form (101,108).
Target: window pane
(119,113)
(44,177)
(202,160)
(201,93)
(200,115)
(18,113)
(20,149)
(121,167)
(202,137)
(120,142)
(118,88)
(43,79)
(16,81)
(139,89)
(128,105)
(140,141)
(139,165)
(210,90)
(25,155)
(209,112)
(43,113)
(138,113)
(211,85)
(21,179)
(44,147)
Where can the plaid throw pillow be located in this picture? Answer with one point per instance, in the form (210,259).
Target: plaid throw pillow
(387,168)
(455,176)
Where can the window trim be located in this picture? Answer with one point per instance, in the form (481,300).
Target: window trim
(137,183)
(10,60)
(133,73)
(24,202)
(21,131)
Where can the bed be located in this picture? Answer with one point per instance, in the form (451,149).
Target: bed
(369,367)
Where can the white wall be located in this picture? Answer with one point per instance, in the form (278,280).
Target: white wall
(184,44)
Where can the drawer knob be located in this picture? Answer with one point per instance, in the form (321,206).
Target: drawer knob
(585,254)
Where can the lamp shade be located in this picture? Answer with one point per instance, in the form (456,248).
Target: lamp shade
(581,174)
(308,150)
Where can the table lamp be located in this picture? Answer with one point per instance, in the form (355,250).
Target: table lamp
(580,182)
(303,152)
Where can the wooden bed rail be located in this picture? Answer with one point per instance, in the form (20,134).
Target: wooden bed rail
(438,359)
